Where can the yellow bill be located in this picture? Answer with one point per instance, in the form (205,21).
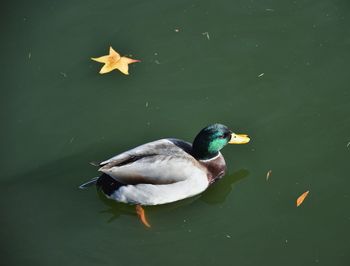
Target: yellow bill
(239,139)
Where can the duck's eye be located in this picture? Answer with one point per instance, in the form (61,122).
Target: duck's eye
(227,135)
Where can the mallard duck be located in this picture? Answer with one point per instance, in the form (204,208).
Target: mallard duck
(166,170)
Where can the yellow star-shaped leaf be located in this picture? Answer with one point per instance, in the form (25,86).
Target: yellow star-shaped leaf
(115,61)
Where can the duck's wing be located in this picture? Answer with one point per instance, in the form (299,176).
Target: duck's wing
(159,147)
(163,161)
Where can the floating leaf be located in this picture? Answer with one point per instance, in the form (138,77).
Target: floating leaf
(141,213)
(115,61)
(302,198)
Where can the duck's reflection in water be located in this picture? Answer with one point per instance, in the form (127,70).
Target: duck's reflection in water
(218,192)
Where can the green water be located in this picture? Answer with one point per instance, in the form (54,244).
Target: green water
(276,70)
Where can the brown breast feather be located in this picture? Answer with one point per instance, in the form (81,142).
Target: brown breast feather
(216,168)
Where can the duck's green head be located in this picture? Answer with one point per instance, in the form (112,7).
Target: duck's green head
(211,139)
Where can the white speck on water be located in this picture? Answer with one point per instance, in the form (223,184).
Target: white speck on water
(148,123)
(268,175)
(189,230)
(347,145)
(63,74)
(155,53)
(146,104)
(184,220)
(228,236)
(71,140)
(29,55)
(206,34)
(260,75)
(269,9)
(157,62)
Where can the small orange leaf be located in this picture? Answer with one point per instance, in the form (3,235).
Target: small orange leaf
(301,198)
(114,61)
(141,213)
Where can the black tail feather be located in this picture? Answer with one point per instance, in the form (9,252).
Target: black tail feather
(108,184)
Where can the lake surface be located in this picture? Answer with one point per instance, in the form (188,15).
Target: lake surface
(276,70)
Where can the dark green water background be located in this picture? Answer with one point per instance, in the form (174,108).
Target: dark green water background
(277,70)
